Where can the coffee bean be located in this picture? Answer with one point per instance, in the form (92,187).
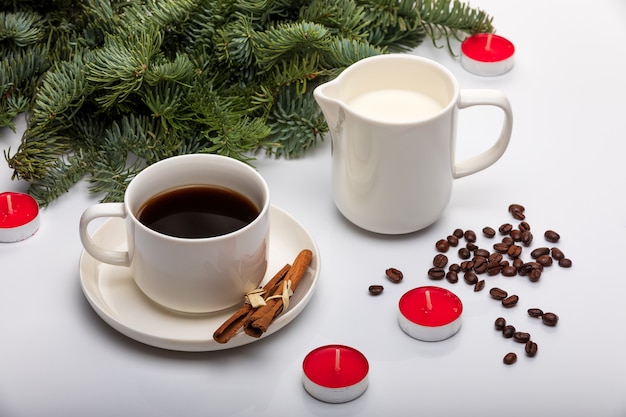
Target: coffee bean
(550,319)
(467,266)
(376,289)
(516,235)
(508,331)
(458,233)
(501,247)
(509,271)
(535,312)
(480,265)
(505,228)
(453,240)
(514,251)
(479,285)
(557,254)
(517,262)
(510,301)
(482,252)
(524,226)
(539,252)
(442,245)
(521,337)
(500,323)
(518,215)
(530,348)
(471,246)
(470,236)
(394,275)
(510,358)
(545,260)
(436,273)
(470,278)
(440,260)
(565,263)
(493,268)
(516,207)
(534,275)
(454,267)
(495,257)
(551,236)
(524,269)
(527,238)
(452,277)
(489,232)
(498,293)
(464,253)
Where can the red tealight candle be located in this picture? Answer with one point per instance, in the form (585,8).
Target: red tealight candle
(487,54)
(19,216)
(430,313)
(335,373)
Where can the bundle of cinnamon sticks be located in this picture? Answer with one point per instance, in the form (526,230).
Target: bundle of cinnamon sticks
(256,320)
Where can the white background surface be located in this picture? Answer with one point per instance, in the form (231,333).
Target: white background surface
(564,163)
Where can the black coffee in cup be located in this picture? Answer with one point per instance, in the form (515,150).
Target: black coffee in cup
(198,211)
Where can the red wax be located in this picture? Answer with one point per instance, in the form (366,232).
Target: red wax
(487,47)
(445,306)
(17,209)
(319,366)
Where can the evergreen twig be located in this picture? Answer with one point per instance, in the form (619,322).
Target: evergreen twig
(111,86)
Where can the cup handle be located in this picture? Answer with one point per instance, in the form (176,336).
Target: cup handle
(468,98)
(103,255)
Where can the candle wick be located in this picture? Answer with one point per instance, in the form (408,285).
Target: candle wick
(488,46)
(9,204)
(429,304)
(337,359)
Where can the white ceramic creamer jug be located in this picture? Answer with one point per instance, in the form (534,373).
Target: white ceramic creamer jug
(392,121)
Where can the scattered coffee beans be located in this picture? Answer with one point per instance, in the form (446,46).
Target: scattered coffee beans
(475,261)
(394,275)
(376,289)
(510,358)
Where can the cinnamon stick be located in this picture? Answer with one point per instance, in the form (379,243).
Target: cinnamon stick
(258,322)
(231,326)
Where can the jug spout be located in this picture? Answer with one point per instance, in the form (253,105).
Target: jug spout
(326,96)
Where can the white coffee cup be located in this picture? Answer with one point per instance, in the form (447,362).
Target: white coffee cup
(393,121)
(193,275)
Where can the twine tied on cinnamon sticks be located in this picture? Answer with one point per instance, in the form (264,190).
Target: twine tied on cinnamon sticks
(256,316)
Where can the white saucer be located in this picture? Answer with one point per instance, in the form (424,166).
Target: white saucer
(113,294)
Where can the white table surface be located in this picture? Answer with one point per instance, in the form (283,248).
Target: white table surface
(564,163)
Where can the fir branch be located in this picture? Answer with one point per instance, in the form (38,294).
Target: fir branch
(451,19)
(115,85)
(61,176)
(297,124)
(20,29)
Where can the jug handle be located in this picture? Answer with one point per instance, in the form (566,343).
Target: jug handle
(468,98)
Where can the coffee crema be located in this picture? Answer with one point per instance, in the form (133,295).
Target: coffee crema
(198,211)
